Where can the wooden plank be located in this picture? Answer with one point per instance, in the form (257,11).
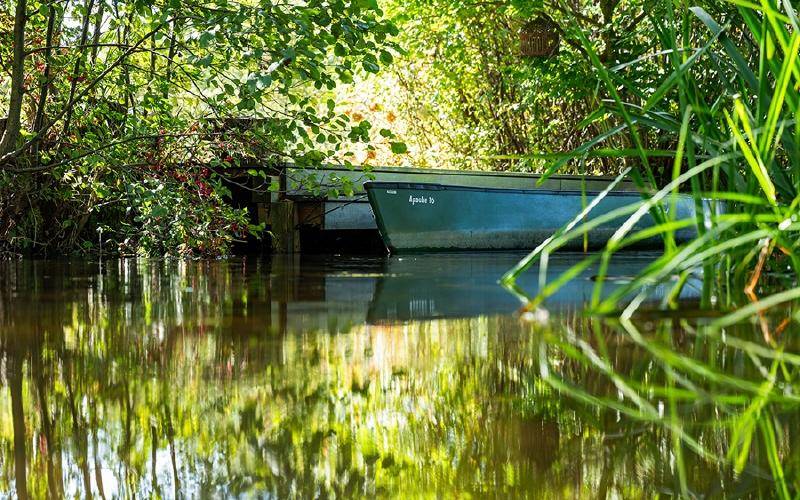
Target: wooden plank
(348,215)
(311,213)
(283,226)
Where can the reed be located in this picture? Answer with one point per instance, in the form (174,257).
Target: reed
(727,105)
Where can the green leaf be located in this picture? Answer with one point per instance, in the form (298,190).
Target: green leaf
(399,148)
(370,66)
(386,57)
(247,104)
(158,211)
(206,38)
(265,81)
(368,4)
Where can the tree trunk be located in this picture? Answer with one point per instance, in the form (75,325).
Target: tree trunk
(12,129)
(98,26)
(608,7)
(77,70)
(170,56)
(45,88)
(51,23)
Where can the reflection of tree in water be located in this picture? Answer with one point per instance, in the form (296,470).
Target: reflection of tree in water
(162,379)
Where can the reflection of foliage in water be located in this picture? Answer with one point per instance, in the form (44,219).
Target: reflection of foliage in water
(714,397)
(209,377)
(158,387)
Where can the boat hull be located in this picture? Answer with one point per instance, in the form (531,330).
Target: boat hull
(434,217)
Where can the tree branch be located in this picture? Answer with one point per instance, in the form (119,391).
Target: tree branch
(12,128)
(9,156)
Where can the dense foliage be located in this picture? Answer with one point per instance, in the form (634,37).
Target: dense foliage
(131,121)
(466,97)
(125,117)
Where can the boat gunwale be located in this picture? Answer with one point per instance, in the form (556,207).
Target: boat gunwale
(448,172)
(430,186)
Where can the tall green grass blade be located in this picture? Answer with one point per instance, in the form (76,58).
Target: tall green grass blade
(531,258)
(750,155)
(784,78)
(676,166)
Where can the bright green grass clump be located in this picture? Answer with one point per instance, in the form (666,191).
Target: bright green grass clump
(736,151)
(728,102)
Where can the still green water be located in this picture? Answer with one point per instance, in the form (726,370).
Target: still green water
(319,377)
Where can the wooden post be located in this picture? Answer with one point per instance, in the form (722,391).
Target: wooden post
(283,220)
(261,199)
(283,223)
(282,184)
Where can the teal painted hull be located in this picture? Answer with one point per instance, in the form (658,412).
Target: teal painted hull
(436,217)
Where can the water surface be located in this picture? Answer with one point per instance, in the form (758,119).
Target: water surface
(337,376)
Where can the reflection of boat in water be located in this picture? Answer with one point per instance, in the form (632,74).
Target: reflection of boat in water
(466,285)
(336,294)
(437,217)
